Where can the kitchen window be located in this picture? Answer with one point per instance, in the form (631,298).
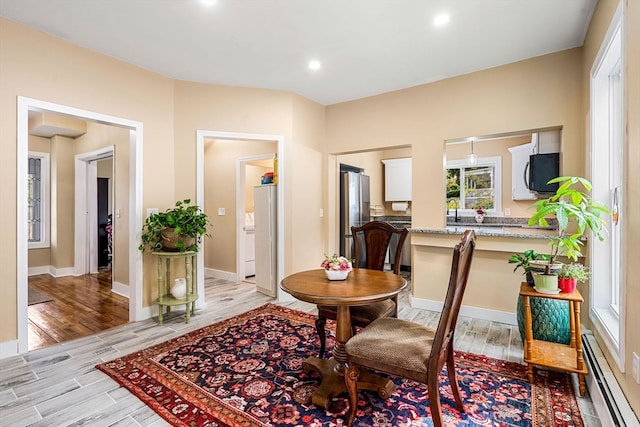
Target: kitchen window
(470,187)
(38,203)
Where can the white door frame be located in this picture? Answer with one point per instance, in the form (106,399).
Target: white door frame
(24,105)
(279,139)
(86,214)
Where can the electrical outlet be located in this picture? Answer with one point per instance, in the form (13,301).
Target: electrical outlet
(151,211)
(635,370)
(222,211)
(507,212)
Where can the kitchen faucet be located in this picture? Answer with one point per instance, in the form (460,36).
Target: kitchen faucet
(456,219)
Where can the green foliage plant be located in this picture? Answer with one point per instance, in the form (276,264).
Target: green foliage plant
(522,260)
(571,203)
(574,271)
(184,219)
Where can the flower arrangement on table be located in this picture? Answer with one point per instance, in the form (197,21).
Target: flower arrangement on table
(336,267)
(480,215)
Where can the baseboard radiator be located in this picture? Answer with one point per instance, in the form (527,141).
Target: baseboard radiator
(606,395)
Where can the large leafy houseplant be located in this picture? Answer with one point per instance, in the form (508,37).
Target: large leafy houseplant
(571,204)
(187,222)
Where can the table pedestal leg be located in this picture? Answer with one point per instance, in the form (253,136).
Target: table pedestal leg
(333,382)
(332,370)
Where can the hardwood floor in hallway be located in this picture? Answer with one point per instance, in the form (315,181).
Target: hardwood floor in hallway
(80,306)
(59,385)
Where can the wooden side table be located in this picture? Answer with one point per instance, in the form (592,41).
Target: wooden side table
(165,299)
(553,355)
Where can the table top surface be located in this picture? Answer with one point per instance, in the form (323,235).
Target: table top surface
(527,290)
(362,286)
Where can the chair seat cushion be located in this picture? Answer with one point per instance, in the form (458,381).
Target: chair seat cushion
(361,315)
(394,346)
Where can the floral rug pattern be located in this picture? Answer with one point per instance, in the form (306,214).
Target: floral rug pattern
(247,371)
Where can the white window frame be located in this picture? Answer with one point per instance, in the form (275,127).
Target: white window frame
(45,200)
(496,163)
(607,145)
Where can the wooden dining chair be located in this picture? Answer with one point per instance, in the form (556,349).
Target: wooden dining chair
(377,237)
(410,350)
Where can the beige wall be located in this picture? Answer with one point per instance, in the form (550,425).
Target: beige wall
(62,202)
(601,20)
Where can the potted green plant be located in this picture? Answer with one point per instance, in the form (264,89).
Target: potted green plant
(572,206)
(570,274)
(178,229)
(523,261)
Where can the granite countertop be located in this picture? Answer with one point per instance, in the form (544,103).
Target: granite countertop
(493,231)
(491,226)
(495,227)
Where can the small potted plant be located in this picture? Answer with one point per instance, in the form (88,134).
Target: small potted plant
(570,274)
(569,204)
(336,267)
(523,261)
(178,229)
(480,215)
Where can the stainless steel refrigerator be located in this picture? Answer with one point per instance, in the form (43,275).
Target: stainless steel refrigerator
(355,203)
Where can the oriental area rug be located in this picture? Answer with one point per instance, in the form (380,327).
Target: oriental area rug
(247,371)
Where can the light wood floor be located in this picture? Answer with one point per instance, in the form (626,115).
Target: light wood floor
(59,386)
(80,306)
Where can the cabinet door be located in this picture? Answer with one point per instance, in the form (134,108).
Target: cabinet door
(520,171)
(397,180)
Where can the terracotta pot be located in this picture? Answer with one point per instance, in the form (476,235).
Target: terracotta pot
(566,284)
(170,240)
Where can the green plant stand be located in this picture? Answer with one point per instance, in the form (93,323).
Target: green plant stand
(550,320)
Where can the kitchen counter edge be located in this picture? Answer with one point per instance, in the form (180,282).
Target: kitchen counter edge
(490,231)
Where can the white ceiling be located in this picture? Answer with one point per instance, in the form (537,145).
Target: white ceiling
(366,47)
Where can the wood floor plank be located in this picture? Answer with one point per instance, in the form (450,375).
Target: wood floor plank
(81,306)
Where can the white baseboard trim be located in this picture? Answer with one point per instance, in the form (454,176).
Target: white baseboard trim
(468,311)
(41,269)
(610,403)
(120,289)
(8,349)
(51,270)
(219,274)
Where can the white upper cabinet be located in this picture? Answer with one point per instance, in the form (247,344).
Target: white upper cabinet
(397,180)
(520,171)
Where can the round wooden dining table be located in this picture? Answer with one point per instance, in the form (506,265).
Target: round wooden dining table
(362,286)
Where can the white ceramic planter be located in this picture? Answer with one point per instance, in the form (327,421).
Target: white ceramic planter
(337,274)
(179,288)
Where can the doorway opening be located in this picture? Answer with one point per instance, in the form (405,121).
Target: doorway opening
(235,268)
(66,260)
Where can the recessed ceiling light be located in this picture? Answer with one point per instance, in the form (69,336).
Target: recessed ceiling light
(441,20)
(314,65)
